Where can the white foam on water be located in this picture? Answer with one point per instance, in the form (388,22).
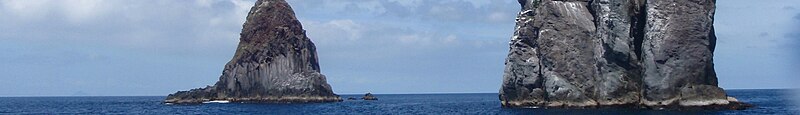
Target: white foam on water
(217,101)
(533,107)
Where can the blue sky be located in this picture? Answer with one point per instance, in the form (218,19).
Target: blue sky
(157,47)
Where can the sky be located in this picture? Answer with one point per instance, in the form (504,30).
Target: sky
(158,47)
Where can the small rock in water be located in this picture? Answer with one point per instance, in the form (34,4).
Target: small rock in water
(369,96)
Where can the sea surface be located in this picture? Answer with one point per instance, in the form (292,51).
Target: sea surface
(766,101)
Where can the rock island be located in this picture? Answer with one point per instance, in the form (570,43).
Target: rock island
(274,63)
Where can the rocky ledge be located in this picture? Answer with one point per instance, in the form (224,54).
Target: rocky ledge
(274,63)
(654,54)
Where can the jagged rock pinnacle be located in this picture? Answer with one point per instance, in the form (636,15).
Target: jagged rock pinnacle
(274,63)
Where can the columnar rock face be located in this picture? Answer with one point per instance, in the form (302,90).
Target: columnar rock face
(589,53)
(275,63)
(678,50)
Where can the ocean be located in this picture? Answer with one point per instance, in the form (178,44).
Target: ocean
(766,102)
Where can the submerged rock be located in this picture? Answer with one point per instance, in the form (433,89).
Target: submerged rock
(369,96)
(274,63)
(594,53)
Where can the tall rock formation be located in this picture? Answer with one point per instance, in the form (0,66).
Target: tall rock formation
(274,63)
(590,53)
(678,51)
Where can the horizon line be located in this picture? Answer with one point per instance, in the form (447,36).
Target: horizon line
(5,96)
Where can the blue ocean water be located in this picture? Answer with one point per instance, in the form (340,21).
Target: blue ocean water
(766,101)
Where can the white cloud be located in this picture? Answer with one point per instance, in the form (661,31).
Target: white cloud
(429,39)
(422,10)
(170,26)
(446,12)
(368,6)
(130,36)
(342,6)
(354,30)
(350,32)
(72,10)
(450,39)
(408,3)
(82,10)
(204,3)
(242,8)
(417,3)
(500,17)
(27,8)
(411,38)
(334,31)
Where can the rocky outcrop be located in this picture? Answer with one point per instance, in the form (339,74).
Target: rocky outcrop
(594,53)
(274,63)
(369,96)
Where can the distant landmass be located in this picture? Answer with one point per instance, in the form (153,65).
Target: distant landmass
(275,62)
(635,53)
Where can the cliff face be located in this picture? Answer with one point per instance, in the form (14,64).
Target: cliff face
(586,53)
(275,62)
(678,50)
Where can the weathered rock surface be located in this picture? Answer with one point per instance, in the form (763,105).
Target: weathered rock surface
(274,63)
(593,53)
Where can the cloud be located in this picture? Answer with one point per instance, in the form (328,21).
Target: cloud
(341,7)
(408,3)
(418,10)
(114,47)
(406,23)
(763,34)
(349,32)
(357,35)
(345,29)
(788,8)
(142,24)
(79,10)
(448,12)
(101,46)
(797,17)
(399,43)
(25,9)
(402,55)
(204,3)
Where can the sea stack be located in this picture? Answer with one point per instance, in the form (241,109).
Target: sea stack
(598,53)
(274,63)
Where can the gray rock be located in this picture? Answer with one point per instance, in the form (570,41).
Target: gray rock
(274,63)
(678,50)
(593,53)
(369,96)
(618,22)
